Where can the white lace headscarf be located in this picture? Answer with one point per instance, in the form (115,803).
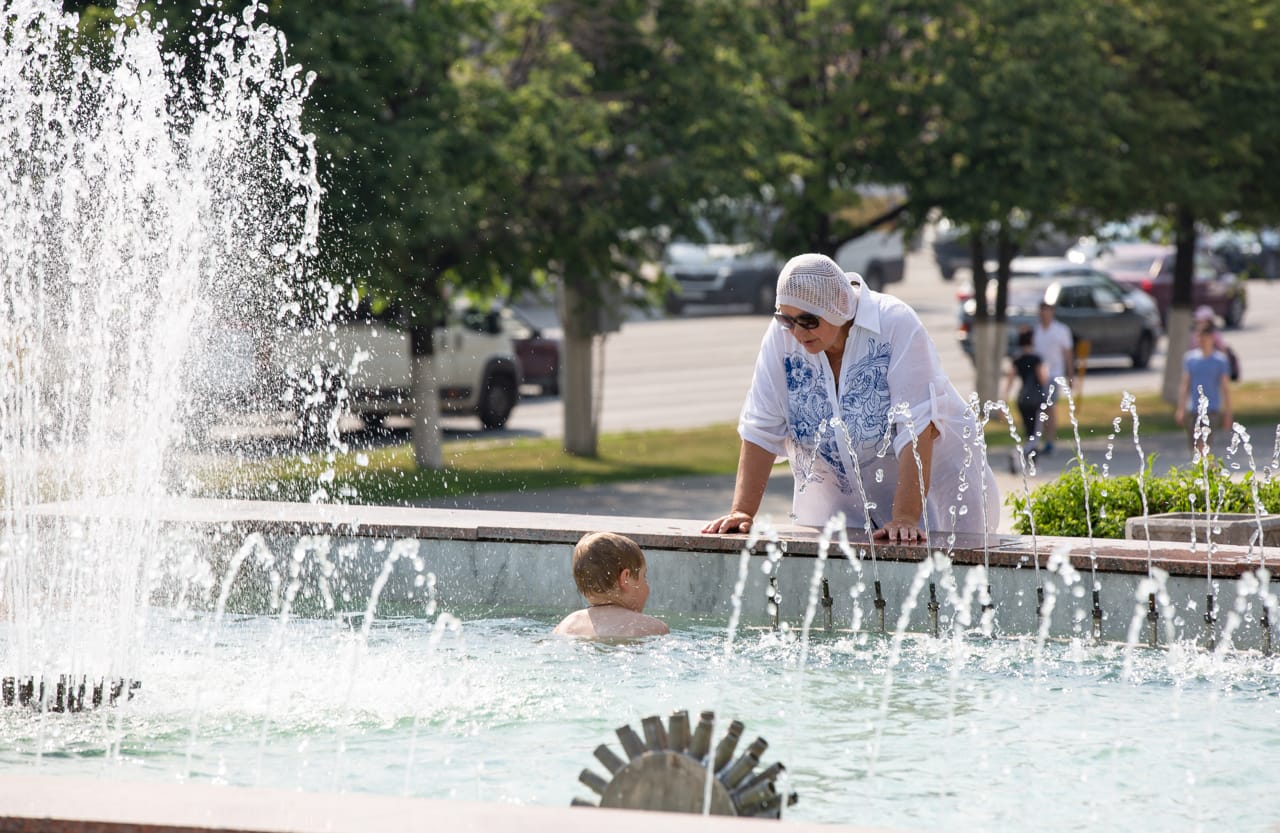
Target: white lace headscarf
(816,284)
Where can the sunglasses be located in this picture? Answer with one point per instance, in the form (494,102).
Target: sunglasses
(804,321)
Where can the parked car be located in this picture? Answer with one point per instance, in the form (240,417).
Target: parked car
(539,356)
(732,264)
(1249,254)
(951,247)
(1044,268)
(878,256)
(1149,267)
(722,273)
(1092,305)
(369,356)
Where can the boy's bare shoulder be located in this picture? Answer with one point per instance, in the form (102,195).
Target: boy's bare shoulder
(610,623)
(577,623)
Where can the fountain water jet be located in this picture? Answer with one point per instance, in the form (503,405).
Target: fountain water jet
(151,205)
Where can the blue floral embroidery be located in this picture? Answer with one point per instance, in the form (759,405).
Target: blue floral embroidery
(809,406)
(864,400)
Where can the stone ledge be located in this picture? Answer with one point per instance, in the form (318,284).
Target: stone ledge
(240,516)
(1238,529)
(45,804)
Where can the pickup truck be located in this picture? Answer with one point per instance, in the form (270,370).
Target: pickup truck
(303,368)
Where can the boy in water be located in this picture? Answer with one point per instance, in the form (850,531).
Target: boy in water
(609,570)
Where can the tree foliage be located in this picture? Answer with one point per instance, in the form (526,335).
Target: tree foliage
(488,146)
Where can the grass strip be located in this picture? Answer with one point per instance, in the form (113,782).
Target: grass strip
(388,476)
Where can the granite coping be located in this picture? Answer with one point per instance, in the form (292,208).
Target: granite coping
(998,550)
(1229,527)
(46,804)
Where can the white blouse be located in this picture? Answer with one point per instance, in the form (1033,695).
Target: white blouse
(892,386)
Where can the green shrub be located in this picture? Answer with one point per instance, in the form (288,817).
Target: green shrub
(1059,506)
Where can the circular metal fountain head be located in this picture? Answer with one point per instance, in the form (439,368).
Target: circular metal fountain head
(676,770)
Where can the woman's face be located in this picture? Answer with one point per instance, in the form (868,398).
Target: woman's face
(816,340)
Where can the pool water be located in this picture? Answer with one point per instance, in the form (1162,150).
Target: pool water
(947,734)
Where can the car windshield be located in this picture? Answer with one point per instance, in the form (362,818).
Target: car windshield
(1024,292)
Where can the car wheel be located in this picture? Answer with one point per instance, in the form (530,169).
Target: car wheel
(765,299)
(552,388)
(497,400)
(672,304)
(1235,313)
(1142,355)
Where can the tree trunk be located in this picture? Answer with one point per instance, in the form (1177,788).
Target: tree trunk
(1178,323)
(428,449)
(986,331)
(989,341)
(581,432)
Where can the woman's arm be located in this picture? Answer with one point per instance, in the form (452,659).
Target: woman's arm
(754,466)
(912,489)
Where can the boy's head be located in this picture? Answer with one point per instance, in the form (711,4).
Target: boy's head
(599,560)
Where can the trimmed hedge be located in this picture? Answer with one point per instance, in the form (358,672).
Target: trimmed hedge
(1058,506)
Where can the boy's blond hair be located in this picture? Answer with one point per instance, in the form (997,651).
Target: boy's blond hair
(599,559)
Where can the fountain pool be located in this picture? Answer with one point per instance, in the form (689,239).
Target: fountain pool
(967,735)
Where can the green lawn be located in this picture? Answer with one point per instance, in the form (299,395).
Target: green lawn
(388,475)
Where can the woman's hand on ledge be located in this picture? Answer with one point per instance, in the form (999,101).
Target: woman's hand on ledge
(899,532)
(731,523)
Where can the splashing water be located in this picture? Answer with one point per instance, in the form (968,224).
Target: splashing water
(152,206)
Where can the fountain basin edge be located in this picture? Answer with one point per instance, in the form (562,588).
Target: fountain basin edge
(47,804)
(502,561)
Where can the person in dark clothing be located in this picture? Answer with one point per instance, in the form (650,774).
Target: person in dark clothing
(1034,375)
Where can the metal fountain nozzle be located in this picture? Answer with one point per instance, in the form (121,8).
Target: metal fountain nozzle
(933,609)
(827,603)
(1153,619)
(662,775)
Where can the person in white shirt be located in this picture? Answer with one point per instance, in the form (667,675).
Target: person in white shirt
(1053,342)
(848,386)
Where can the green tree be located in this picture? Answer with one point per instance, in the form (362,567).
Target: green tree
(1005,128)
(1202,87)
(663,109)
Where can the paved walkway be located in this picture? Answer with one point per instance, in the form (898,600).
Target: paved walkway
(707,497)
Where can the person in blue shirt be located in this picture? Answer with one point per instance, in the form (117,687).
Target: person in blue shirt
(1205,372)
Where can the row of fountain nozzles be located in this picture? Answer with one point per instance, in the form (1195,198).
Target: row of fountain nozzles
(68,694)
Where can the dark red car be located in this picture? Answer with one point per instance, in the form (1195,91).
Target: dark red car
(1149,267)
(539,356)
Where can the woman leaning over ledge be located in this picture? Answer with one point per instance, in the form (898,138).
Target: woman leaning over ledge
(838,349)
